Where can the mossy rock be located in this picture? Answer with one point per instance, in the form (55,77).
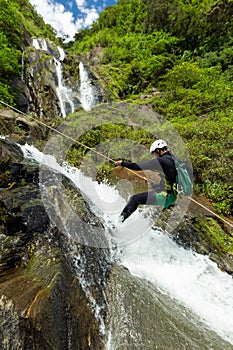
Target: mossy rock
(43,306)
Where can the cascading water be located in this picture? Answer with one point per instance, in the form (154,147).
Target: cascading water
(63,92)
(88,95)
(80,262)
(190,279)
(40,44)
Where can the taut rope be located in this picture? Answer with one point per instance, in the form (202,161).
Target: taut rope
(106,157)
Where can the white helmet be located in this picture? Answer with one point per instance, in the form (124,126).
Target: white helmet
(157,144)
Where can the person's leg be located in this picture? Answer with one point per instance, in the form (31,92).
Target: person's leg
(165,200)
(135,201)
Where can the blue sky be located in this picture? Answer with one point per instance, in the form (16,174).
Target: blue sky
(68,17)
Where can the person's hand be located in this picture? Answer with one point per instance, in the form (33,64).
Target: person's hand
(118,162)
(145,179)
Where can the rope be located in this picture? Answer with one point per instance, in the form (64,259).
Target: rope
(104,156)
(67,136)
(55,130)
(210,211)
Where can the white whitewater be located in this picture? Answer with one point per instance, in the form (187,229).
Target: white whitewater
(63,92)
(191,279)
(40,44)
(87,89)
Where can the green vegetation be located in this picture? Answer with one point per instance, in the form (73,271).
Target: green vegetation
(175,56)
(16,18)
(106,132)
(198,102)
(217,238)
(182,49)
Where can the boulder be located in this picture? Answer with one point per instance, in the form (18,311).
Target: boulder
(43,304)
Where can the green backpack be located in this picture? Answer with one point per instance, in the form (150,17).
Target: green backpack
(183,179)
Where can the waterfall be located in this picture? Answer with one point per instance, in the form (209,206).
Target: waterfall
(40,44)
(88,94)
(63,92)
(80,262)
(190,279)
(61,53)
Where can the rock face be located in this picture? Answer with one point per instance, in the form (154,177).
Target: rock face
(43,81)
(42,304)
(20,128)
(43,307)
(50,82)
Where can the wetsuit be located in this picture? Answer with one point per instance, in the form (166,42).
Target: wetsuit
(166,196)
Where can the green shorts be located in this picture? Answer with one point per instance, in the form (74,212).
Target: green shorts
(164,199)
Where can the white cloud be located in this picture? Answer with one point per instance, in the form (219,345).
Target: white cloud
(91,16)
(63,21)
(80,4)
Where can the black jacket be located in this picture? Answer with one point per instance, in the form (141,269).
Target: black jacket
(164,164)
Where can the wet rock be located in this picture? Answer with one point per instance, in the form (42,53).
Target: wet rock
(22,94)
(43,306)
(9,153)
(35,218)
(39,78)
(22,171)
(20,128)
(141,317)
(42,302)
(42,76)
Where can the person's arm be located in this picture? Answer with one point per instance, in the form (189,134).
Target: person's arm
(148,165)
(129,165)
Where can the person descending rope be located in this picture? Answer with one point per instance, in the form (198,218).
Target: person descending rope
(164,194)
(183,176)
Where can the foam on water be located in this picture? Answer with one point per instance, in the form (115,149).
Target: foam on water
(192,279)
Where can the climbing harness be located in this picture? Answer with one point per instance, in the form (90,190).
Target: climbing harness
(106,157)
